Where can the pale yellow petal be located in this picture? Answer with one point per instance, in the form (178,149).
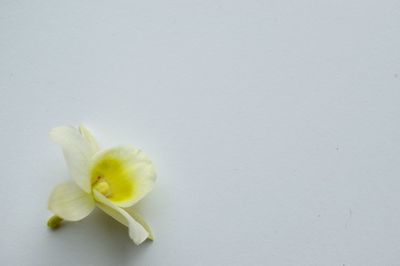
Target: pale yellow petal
(89,137)
(120,218)
(70,202)
(78,153)
(136,231)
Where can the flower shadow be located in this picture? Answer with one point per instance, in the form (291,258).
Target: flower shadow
(96,240)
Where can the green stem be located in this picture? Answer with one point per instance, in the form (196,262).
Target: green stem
(54,221)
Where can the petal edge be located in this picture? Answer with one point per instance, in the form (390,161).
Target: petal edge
(136,231)
(70,202)
(77,152)
(89,138)
(117,216)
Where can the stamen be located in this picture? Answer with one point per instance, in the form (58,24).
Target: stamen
(102,186)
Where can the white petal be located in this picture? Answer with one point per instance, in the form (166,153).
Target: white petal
(77,152)
(136,231)
(128,171)
(117,216)
(70,202)
(89,137)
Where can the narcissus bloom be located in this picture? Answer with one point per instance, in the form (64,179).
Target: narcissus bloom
(111,179)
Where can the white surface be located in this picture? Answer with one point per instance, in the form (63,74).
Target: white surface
(274,126)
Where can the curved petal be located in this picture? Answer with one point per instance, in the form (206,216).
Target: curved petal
(136,231)
(70,202)
(120,218)
(89,137)
(77,152)
(130,175)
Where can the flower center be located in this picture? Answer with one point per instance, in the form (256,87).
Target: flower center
(113,177)
(102,186)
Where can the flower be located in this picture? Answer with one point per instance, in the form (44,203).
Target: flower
(111,179)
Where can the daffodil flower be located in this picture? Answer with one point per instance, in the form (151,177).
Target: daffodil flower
(111,179)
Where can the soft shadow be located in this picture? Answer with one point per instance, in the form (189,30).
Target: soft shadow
(96,240)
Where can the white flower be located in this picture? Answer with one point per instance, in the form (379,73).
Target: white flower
(111,179)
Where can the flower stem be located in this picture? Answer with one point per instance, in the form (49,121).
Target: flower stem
(54,221)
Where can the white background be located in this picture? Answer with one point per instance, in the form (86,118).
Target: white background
(274,127)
